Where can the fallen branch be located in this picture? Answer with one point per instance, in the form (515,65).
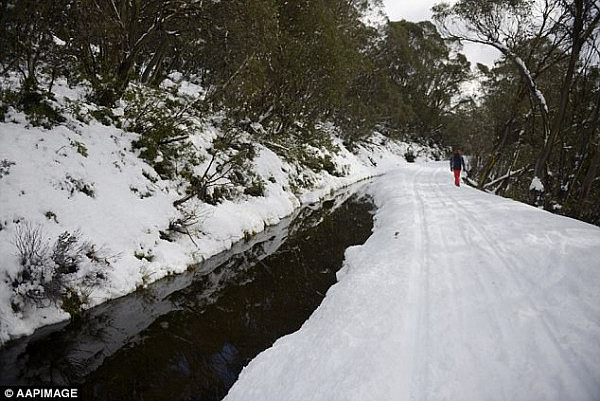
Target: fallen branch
(504,177)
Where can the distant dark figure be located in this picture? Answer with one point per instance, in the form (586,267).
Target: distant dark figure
(457,163)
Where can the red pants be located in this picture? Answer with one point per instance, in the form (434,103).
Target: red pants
(457,178)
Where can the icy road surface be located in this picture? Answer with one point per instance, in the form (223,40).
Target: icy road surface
(457,295)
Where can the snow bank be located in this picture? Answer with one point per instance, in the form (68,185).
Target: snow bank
(85,179)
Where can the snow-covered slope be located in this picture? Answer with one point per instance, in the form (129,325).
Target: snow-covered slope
(457,295)
(83,178)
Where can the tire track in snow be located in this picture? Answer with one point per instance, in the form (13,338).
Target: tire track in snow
(441,292)
(544,336)
(467,273)
(420,374)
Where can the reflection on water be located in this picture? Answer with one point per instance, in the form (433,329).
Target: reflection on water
(187,337)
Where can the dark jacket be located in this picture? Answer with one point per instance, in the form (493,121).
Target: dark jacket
(457,162)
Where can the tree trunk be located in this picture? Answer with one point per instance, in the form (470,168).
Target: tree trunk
(542,160)
(535,193)
(590,177)
(579,36)
(155,62)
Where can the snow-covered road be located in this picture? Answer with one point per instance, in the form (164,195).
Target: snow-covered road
(457,295)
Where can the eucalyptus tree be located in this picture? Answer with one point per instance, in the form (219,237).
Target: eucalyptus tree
(419,76)
(534,36)
(29,43)
(117,40)
(32,51)
(285,65)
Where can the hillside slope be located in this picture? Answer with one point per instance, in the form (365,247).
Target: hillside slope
(84,219)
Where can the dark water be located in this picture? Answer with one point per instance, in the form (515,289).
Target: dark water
(188,337)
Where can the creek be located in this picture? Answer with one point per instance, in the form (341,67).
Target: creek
(187,337)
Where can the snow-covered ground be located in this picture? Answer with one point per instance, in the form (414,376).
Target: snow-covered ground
(457,295)
(83,178)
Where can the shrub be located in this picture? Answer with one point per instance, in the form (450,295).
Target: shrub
(72,184)
(72,303)
(410,156)
(8,98)
(227,173)
(36,270)
(312,158)
(32,248)
(68,252)
(162,123)
(248,235)
(47,274)
(5,167)
(104,115)
(256,188)
(80,147)
(50,215)
(35,103)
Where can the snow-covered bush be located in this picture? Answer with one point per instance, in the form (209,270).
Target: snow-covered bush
(73,301)
(104,115)
(9,97)
(32,248)
(39,105)
(36,266)
(50,215)
(228,172)
(49,275)
(311,147)
(255,188)
(80,147)
(72,184)
(163,122)
(68,252)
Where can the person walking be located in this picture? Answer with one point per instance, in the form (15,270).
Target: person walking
(457,163)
